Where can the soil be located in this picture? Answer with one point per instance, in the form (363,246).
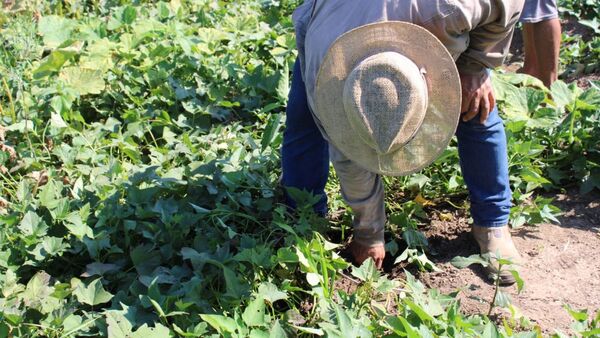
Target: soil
(562,264)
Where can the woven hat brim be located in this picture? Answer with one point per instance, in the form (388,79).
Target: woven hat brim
(443,82)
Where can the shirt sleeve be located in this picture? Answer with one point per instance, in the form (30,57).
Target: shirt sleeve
(301,18)
(491,25)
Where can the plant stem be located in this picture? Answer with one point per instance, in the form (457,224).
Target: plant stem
(497,288)
(572,124)
(13,115)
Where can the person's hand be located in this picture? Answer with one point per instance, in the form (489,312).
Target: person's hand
(477,96)
(361,253)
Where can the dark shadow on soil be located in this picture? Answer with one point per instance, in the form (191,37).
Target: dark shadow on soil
(579,211)
(526,233)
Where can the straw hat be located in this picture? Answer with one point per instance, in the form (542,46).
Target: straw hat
(388,97)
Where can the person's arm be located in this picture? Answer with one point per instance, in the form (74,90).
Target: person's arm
(491,25)
(492,29)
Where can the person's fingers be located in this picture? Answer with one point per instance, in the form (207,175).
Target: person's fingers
(492,100)
(464,105)
(473,109)
(467,95)
(484,109)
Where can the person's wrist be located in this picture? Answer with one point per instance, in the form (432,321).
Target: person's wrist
(469,67)
(369,240)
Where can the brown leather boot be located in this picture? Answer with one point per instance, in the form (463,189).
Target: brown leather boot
(495,241)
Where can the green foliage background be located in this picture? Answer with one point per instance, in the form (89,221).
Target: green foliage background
(141,199)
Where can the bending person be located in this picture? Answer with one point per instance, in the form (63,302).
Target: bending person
(477,34)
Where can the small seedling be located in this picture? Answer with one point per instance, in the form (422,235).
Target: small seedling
(503,264)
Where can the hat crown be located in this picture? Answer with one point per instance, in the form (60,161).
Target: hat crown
(385,100)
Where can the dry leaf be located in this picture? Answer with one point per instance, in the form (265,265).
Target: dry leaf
(446,216)
(423,201)
(40,176)
(3,205)
(10,150)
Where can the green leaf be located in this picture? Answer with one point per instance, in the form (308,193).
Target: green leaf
(414,238)
(270,292)
(283,84)
(580,316)
(271,131)
(59,209)
(562,94)
(49,193)
(129,15)
(99,269)
(32,225)
(21,126)
(313,278)
(53,63)
(591,333)
(463,262)
(54,245)
(233,285)
(410,331)
(55,30)
(118,325)
(367,272)
(83,81)
(93,294)
(277,331)
(254,314)
(76,226)
(83,325)
(220,323)
(423,315)
(490,331)
(502,299)
(57,121)
(4,330)
(158,331)
(163,10)
(37,289)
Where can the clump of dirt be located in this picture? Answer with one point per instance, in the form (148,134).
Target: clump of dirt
(561,264)
(346,284)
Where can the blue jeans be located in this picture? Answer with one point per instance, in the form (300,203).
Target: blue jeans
(481,147)
(304,153)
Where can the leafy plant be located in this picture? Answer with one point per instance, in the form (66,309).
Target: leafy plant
(500,265)
(139,166)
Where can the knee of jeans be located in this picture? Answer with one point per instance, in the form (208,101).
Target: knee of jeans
(304,140)
(298,117)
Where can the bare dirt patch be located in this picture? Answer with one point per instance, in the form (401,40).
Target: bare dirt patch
(562,264)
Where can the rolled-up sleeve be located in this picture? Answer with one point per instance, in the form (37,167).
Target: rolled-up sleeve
(490,26)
